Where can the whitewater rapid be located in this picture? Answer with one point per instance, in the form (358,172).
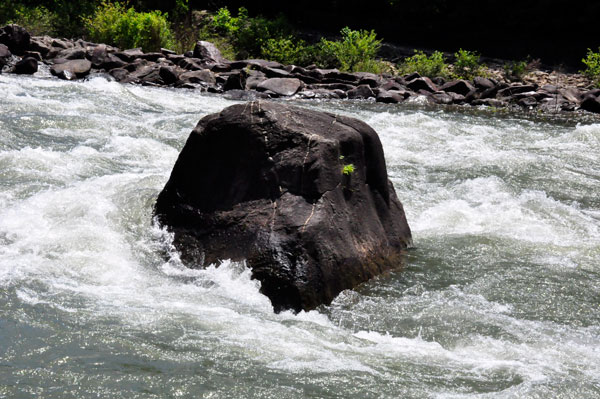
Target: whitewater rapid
(499,299)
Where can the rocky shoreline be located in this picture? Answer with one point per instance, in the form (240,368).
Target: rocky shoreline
(205,69)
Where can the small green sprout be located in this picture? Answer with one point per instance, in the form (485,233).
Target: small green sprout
(348,169)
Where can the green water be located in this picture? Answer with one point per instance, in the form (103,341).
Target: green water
(500,299)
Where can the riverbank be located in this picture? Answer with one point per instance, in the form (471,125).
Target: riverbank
(205,69)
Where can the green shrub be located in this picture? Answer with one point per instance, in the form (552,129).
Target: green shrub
(249,35)
(432,66)
(592,64)
(37,20)
(356,47)
(127,28)
(288,50)
(467,64)
(515,70)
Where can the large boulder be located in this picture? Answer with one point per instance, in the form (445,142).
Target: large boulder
(303,196)
(16,38)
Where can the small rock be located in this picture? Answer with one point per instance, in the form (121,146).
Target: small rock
(516,89)
(200,76)
(440,97)
(458,86)
(33,54)
(591,103)
(423,83)
(235,81)
(482,83)
(388,97)
(361,92)
(5,55)
(168,75)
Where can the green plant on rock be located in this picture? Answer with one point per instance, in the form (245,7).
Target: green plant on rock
(431,66)
(515,70)
(467,64)
(356,47)
(113,24)
(348,169)
(592,64)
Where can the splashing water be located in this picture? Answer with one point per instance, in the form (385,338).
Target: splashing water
(500,299)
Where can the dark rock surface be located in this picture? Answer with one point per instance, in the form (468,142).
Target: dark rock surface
(281,86)
(16,38)
(27,66)
(208,52)
(264,182)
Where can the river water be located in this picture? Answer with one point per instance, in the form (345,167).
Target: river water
(500,298)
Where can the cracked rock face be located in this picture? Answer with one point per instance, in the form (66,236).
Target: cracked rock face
(303,196)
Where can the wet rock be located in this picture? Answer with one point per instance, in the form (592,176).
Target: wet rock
(281,86)
(111,61)
(264,182)
(482,83)
(361,92)
(5,55)
(527,102)
(423,83)
(254,79)
(332,86)
(121,75)
(590,103)
(153,57)
(458,86)
(33,54)
(130,55)
(75,53)
(191,64)
(572,94)
(16,38)
(236,81)
(389,97)
(41,44)
(440,97)
(369,79)
(201,76)
(73,69)
(490,102)
(208,52)
(515,89)
(26,66)
(168,74)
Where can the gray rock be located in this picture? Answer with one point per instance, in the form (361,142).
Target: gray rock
(73,69)
(208,52)
(281,86)
(361,92)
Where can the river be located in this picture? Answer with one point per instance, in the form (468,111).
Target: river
(499,299)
